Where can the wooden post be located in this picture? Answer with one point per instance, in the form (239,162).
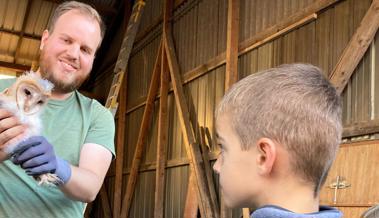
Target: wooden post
(192,204)
(120,142)
(162,125)
(147,114)
(162,141)
(105,202)
(192,148)
(356,48)
(207,167)
(231,73)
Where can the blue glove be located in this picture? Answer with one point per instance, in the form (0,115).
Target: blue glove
(36,155)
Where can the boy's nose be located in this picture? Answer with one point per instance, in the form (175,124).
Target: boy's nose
(216,166)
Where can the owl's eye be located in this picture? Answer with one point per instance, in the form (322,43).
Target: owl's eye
(27,92)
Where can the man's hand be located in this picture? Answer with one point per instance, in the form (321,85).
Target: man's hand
(37,156)
(10,128)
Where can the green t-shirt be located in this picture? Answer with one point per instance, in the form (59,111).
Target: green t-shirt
(67,125)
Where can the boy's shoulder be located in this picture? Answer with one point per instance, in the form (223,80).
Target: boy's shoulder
(270,211)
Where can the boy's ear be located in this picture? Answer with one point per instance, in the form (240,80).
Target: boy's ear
(266,158)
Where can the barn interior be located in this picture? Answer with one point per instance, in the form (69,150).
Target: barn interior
(164,65)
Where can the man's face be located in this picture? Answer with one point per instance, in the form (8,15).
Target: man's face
(67,53)
(236,167)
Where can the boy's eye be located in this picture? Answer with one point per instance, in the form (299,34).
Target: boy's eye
(221,150)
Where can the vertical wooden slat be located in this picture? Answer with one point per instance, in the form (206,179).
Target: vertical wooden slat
(162,125)
(208,169)
(154,84)
(192,148)
(191,205)
(231,70)
(356,48)
(120,147)
(105,202)
(232,43)
(162,141)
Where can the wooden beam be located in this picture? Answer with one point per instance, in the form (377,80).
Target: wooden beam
(192,148)
(162,123)
(273,33)
(21,35)
(231,74)
(120,144)
(292,22)
(191,205)
(207,166)
(361,128)
(162,142)
(356,48)
(147,114)
(13,66)
(298,18)
(121,121)
(26,35)
(105,202)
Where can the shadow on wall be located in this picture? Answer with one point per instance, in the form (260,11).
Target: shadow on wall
(372,212)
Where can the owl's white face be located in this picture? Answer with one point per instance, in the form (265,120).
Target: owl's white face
(30,98)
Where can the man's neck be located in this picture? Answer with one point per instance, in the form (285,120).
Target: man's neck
(60,96)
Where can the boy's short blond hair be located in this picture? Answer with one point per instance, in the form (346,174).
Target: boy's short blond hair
(295,105)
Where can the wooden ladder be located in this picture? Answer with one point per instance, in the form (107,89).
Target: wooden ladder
(111,103)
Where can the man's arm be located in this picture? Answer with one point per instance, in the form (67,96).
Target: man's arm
(87,178)
(81,182)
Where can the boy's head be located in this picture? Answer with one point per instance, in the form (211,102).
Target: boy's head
(280,124)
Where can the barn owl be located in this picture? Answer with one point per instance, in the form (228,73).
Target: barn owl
(26,99)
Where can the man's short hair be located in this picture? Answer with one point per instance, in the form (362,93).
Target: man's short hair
(82,8)
(295,105)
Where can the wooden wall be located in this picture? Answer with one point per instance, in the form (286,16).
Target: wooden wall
(199,32)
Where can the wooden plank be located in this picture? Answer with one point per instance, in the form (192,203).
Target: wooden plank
(191,205)
(21,36)
(355,169)
(17,67)
(105,202)
(208,170)
(361,128)
(245,212)
(163,122)
(17,33)
(356,48)
(231,74)
(193,151)
(268,34)
(231,69)
(120,144)
(162,142)
(153,88)
(297,19)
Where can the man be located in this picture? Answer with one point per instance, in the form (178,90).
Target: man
(77,141)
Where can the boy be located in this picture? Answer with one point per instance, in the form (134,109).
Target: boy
(279,131)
